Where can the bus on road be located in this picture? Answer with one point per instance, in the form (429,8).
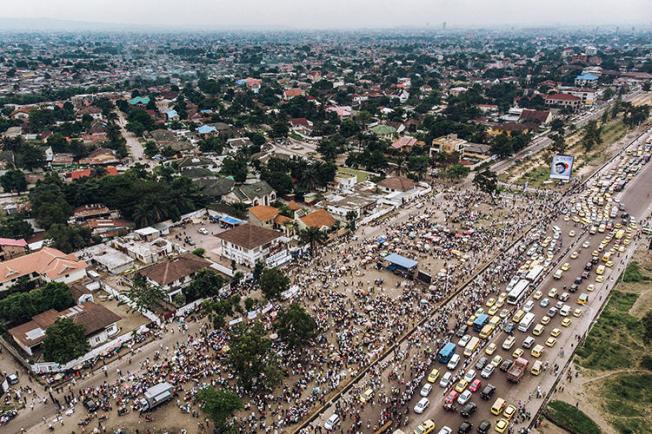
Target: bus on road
(446,353)
(518,292)
(480,322)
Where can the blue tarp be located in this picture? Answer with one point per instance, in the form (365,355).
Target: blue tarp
(401,261)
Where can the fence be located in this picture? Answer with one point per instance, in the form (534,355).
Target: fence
(123,298)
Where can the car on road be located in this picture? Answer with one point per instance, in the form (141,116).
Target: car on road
(491,348)
(490,302)
(469,409)
(577,313)
(332,422)
(434,374)
(91,405)
(12,378)
(518,353)
(509,327)
(426,427)
(449,401)
(552,312)
(586,244)
(509,411)
(550,342)
(481,363)
(571,233)
(461,386)
(545,320)
(544,302)
(497,360)
(446,379)
(508,343)
(564,296)
(425,390)
(488,392)
(538,329)
(452,363)
(484,427)
(574,255)
(461,330)
(537,351)
(583,298)
(537,294)
(590,287)
(464,397)
(421,405)
(445,430)
(487,371)
(501,425)
(565,266)
(504,313)
(464,340)
(506,365)
(565,310)
(465,427)
(552,293)
(555,332)
(475,385)
(566,322)
(527,307)
(528,342)
(470,375)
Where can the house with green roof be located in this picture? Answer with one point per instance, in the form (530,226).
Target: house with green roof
(139,100)
(384,131)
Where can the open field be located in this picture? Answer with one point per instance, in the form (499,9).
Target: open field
(570,418)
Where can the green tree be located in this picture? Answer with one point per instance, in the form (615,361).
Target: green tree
(592,135)
(14,226)
(486,181)
(558,143)
(456,171)
(13,181)
(251,358)
(206,283)
(49,205)
(647,327)
(64,341)
(144,295)
(295,326)
(258,270)
(30,157)
(219,405)
(351,217)
(237,168)
(313,237)
(69,238)
(273,282)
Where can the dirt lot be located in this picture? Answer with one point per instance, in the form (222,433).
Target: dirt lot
(197,240)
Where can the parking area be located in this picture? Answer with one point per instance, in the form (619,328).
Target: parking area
(199,234)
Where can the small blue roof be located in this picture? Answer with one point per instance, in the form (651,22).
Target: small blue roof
(586,76)
(241,82)
(401,261)
(172,113)
(144,100)
(205,129)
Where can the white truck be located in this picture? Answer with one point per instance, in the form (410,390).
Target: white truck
(156,395)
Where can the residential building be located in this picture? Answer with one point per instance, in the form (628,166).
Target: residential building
(10,248)
(396,183)
(246,244)
(172,274)
(48,264)
(257,193)
(320,219)
(563,100)
(447,144)
(99,323)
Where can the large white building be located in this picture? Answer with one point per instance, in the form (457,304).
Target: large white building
(247,244)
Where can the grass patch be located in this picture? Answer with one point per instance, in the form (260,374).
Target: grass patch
(627,400)
(570,418)
(633,273)
(616,340)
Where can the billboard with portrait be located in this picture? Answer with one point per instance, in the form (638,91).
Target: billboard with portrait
(561,167)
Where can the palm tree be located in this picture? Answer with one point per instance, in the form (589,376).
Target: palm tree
(312,236)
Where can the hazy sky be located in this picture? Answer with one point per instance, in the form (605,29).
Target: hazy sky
(334,13)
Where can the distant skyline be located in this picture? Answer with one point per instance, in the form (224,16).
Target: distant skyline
(333,14)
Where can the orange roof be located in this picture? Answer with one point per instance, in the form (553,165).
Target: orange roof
(111,170)
(47,262)
(81,173)
(292,205)
(281,219)
(263,213)
(318,219)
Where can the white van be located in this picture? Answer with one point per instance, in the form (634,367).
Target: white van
(526,322)
(452,363)
(558,274)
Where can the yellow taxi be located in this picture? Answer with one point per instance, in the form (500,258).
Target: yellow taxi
(490,302)
(491,348)
(545,320)
(518,353)
(432,377)
(555,332)
(566,322)
(426,427)
(577,313)
(509,411)
(550,342)
(461,386)
(501,425)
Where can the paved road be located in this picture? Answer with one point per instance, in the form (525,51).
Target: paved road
(637,201)
(134,146)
